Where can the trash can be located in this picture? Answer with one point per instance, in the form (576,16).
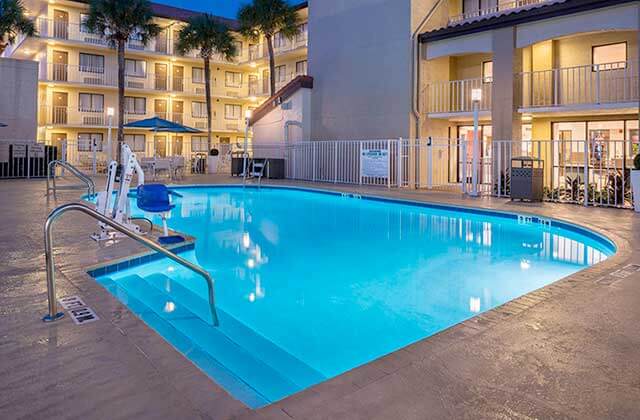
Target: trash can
(527,178)
(212,161)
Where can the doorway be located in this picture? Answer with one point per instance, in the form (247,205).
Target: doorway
(177,109)
(160,146)
(160,108)
(60,61)
(59,141)
(161,76)
(60,103)
(178,78)
(60,24)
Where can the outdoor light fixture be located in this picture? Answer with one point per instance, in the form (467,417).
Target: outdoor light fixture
(110,111)
(476,95)
(247,114)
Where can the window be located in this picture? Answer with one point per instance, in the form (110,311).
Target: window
(199,144)
(91,102)
(135,68)
(609,57)
(232,79)
(197,74)
(134,105)
(238,45)
(86,140)
(83,23)
(135,141)
(279,40)
(91,63)
(281,73)
(487,71)
(302,33)
(301,67)
(232,112)
(199,109)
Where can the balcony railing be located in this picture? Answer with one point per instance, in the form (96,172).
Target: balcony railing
(260,51)
(499,7)
(69,116)
(455,96)
(582,85)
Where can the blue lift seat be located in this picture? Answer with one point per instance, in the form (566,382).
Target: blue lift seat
(154,198)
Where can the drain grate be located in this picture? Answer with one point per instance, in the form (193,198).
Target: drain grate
(78,310)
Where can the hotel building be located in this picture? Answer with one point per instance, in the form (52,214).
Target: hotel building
(78,82)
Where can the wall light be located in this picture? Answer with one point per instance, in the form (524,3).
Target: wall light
(248,113)
(476,95)
(110,111)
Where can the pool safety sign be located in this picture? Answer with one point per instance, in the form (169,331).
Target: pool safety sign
(374,163)
(78,310)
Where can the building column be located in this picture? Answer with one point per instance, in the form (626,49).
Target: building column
(506,96)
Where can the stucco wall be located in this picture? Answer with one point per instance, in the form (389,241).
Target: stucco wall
(270,129)
(18,99)
(360,58)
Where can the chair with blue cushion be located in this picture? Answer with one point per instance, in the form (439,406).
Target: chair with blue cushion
(154,198)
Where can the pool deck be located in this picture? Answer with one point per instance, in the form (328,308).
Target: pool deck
(568,350)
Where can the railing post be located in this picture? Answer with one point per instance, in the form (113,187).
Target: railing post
(556,75)
(26,147)
(399,163)
(597,83)
(429,163)
(335,162)
(586,173)
(359,162)
(463,159)
(389,164)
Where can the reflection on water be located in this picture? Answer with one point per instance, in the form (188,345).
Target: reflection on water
(320,275)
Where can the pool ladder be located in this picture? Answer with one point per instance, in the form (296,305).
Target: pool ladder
(48,247)
(51,178)
(257,169)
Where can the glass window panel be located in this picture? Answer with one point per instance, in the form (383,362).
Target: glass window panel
(197,74)
(608,57)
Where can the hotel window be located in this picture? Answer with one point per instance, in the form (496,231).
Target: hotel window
(487,71)
(281,74)
(279,40)
(238,45)
(135,105)
(302,33)
(135,141)
(232,112)
(90,102)
(197,74)
(301,67)
(232,79)
(481,7)
(199,144)
(199,109)
(135,68)
(609,57)
(91,63)
(83,23)
(85,141)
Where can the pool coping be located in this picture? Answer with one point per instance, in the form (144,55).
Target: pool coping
(472,326)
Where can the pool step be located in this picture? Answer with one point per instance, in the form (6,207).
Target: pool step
(269,353)
(261,377)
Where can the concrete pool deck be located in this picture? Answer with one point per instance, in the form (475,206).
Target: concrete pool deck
(569,350)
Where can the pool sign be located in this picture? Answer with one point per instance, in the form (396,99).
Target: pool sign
(374,163)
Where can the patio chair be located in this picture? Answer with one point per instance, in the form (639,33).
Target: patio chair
(162,164)
(154,198)
(177,167)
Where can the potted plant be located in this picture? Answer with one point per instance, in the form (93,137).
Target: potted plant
(635,182)
(212,161)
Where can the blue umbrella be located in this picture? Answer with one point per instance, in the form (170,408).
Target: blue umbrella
(161,125)
(3,125)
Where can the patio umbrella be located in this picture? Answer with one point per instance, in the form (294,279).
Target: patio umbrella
(3,124)
(159,125)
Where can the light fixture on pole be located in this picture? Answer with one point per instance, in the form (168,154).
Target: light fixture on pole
(110,113)
(476,97)
(247,118)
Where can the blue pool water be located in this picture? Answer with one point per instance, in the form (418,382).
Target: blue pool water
(310,285)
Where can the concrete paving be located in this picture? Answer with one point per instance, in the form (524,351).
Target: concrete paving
(569,350)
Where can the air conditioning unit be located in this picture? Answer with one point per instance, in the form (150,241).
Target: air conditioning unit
(232,94)
(231,126)
(92,81)
(92,120)
(200,91)
(92,40)
(201,125)
(135,85)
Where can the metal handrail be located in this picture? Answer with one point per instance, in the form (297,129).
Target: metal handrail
(91,186)
(48,245)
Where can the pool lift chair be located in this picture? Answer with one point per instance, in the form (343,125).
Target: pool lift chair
(118,208)
(155,198)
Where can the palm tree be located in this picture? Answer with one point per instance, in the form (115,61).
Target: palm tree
(205,33)
(13,22)
(118,21)
(268,17)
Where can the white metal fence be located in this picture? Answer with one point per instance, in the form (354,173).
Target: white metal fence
(25,159)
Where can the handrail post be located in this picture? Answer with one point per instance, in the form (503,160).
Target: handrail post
(50,264)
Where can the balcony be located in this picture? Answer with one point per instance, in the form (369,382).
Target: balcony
(589,86)
(260,51)
(499,7)
(454,96)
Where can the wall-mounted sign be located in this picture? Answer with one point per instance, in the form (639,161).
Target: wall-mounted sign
(374,163)
(36,150)
(19,150)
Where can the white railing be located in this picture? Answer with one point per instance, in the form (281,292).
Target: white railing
(260,51)
(455,95)
(603,166)
(581,85)
(501,6)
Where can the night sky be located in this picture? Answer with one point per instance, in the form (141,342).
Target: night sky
(227,8)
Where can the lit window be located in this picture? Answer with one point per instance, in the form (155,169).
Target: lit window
(91,63)
(135,142)
(199,109)
(609,57)
(232,79)
(197,74)
(232,112)
(135,105)
(135,68)
(487,71)
(90,102)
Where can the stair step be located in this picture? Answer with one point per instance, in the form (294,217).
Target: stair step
(261,377)
(269,353)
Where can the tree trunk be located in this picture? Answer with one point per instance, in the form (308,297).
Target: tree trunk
(272,64)
(207,92)
(121,81)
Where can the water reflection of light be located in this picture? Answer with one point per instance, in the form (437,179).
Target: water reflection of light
(474,304)
(246,240)
(171,269)
(525,264)
(252,297)
(169,307)
(251,263)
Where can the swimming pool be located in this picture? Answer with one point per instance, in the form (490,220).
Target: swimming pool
(312,284)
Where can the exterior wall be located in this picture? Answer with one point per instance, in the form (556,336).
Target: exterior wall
(18,102)
(270,129)
(361,67)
